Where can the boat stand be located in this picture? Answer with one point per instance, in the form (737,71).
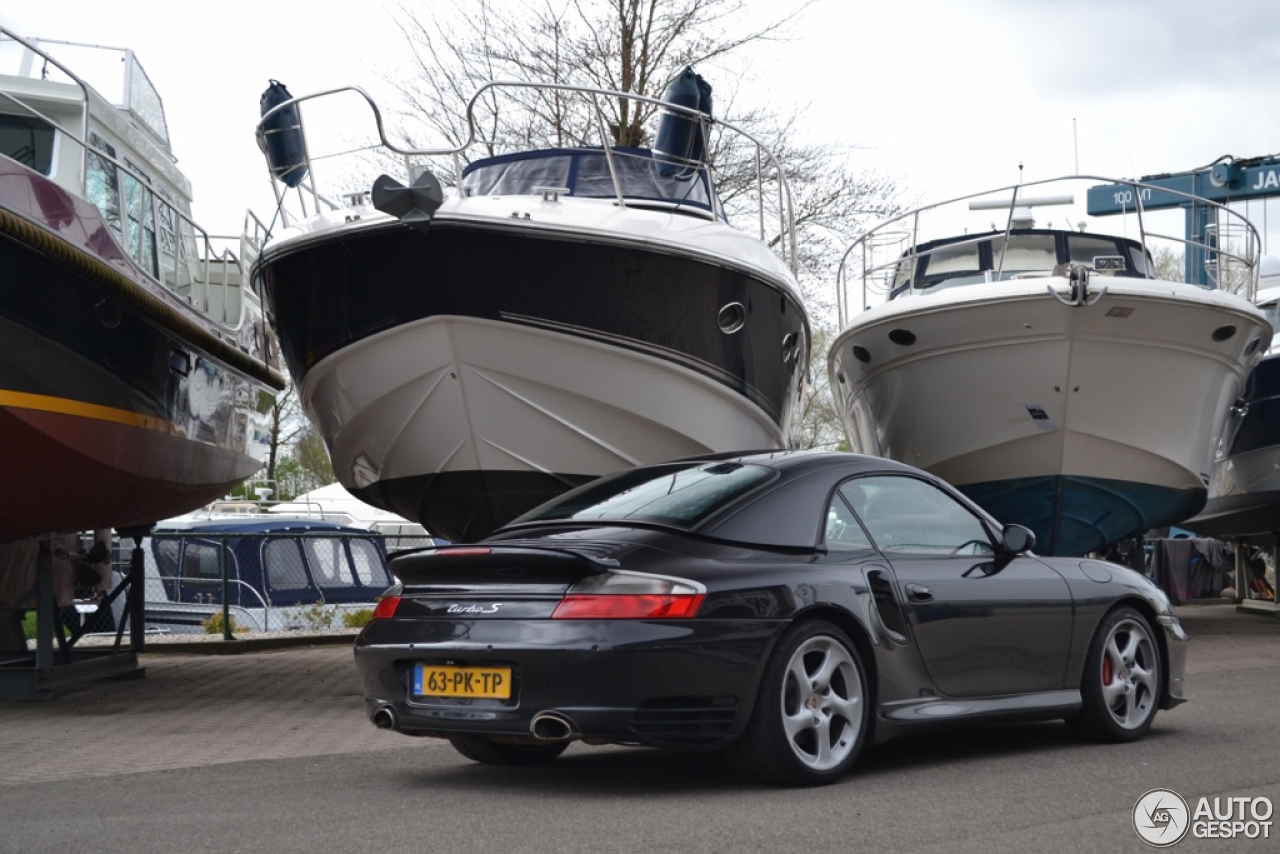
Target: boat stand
(1245,577)
(34,677)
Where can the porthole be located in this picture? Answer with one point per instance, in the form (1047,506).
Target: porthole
(902,337)
(107,313)
(840,377)
(732,318)
(1224,333)
(860,353)
(1253,345)
(789,346)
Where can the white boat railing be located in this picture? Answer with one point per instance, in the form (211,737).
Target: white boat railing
(164,243)
(883,262)
(772,191)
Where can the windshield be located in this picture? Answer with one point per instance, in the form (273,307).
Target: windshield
(585,173)
(680,494)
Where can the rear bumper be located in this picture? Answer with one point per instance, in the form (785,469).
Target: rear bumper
(662,683)
(1175,642)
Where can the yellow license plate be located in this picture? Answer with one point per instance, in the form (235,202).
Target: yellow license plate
(479,682)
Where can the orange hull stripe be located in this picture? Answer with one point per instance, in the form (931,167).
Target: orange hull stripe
(63,406)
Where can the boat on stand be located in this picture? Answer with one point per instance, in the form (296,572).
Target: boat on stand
(1244,493)
(135,365)
(1049,373)
(493,328)
(136,370)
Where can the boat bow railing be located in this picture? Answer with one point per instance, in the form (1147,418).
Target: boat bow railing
(883,263)
(770,188)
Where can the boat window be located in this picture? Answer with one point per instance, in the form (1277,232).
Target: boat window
(907,515)
(1271,311)
(584,173)
(328,561)
(1142,262)
(27,140)
(403,536)
(370,568)
(953,259)
(518,177)
(166,552)
(1024,253)
(102,186)
(167,222)
(681,494)
(1082,249)
(138,205)
(144,101)
(200,561)
(282,562)
(638,175)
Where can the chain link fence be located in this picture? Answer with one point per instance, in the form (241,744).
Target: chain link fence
(236,582)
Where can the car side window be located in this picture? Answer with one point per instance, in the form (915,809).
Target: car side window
(842,529)
(907,515)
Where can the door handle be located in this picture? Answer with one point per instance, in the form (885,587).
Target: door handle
(919,593)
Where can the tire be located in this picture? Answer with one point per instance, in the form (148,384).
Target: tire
(1123,680)
(810,718)
(480,749)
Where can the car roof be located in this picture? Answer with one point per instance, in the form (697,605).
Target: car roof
(787,511)
(802,459)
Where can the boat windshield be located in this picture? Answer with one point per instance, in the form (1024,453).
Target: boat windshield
(584,172)
(678,494)
(1025,253)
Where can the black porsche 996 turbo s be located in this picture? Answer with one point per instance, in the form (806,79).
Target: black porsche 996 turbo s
(782,607)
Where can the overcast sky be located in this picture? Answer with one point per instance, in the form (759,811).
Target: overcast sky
(946,96)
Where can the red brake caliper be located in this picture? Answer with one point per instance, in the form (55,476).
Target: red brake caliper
(1106,669)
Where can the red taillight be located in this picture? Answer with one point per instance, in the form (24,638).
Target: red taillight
(386,607)
(466,552)
(621,606)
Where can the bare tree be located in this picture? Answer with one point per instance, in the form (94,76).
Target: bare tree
(818,423)
(634,46)
(287,423)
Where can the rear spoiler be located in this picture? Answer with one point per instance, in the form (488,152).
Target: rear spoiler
(461,564)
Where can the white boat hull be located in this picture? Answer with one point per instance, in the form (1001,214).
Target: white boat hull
(477,398)
(1016,397)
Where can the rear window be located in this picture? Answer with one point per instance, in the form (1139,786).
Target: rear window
(678,494)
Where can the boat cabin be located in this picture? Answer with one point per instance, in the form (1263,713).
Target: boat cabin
(643,180)
(100,133)
(277,572)
(1027,253)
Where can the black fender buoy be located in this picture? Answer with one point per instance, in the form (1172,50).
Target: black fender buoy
(679,147)
(281,137)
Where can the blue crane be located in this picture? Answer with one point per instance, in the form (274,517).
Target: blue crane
(1227,179)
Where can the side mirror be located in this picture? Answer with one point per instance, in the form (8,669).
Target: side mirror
(1017,539)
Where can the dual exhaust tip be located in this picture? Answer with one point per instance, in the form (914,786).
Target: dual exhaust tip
(545,726)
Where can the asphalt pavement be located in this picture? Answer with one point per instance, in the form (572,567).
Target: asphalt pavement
(271,751)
